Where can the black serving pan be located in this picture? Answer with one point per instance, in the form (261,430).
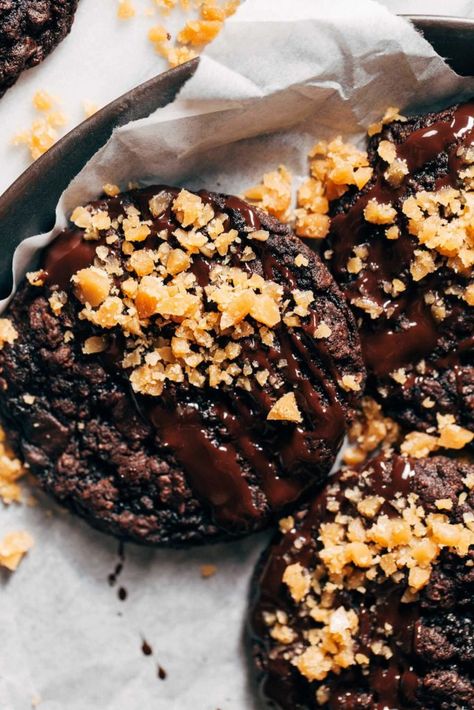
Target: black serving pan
(28,206)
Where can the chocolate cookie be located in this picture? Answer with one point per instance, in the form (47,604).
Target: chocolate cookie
(402,250)
(365,600)
(29,31)
(184,367)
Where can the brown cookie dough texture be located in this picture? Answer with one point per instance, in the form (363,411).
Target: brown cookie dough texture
(402,249)
(180,368)
(29,31)
(365,599)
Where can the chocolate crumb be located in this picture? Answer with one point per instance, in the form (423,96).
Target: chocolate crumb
(113,576)
(146,648)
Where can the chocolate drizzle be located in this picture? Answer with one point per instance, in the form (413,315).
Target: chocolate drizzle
(406,330)
(69,253)
(228,450)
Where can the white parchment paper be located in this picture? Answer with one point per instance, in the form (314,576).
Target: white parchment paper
(283,74)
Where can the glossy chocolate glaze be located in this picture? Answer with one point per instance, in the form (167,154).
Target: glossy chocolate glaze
(391,683)
(69,253)
(406,330)
(221,438)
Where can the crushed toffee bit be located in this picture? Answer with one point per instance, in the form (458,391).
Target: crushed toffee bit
(125,9)
(273,194)
(175,55)
(196,32)
(441,222)
(90,108)
(13,547)
(199,32)
(11,470)
(208,571)
(158,34)
(322,330)
(391,114)
(285,409)
(350,382)
(204,324)
(334,166)
(44,129)
(111,190)
(301,260)
(449,436)
(370,430)
(379,213)
(36,278)
(8,333)
(42,101)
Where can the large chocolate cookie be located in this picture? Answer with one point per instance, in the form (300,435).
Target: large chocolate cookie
(365,600)
(402,249)
(184,367)
(29,31)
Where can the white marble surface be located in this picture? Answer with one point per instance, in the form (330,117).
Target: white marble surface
(194,625)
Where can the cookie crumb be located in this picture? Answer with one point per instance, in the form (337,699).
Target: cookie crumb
(301,260)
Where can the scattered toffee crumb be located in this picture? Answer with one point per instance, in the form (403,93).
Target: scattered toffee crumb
(161,673)
(208,571)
